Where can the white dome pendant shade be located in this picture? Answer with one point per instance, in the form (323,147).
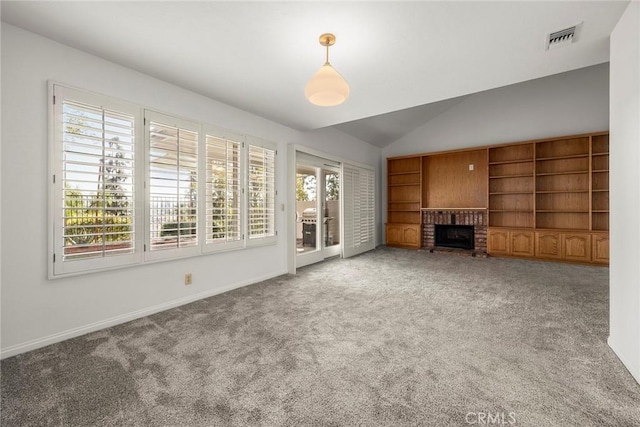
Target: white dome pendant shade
(327,87)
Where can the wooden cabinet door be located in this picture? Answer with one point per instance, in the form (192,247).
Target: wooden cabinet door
(498,242)
(411,236)
(522,243)
(394,234)
(548,244)
(576,247)
(600,248)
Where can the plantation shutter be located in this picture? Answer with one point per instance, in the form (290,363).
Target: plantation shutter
(359,210)
(172,185)
(223,192)
(262,193)
(94,206)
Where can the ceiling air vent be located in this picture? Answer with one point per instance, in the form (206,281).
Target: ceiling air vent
(563,37)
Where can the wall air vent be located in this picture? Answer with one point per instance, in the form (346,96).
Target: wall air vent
(563,37)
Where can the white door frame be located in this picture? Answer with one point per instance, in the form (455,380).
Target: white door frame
(293,260)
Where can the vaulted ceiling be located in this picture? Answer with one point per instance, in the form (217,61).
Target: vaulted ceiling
(405,61)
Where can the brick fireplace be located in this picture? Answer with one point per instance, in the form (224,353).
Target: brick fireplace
(476,218)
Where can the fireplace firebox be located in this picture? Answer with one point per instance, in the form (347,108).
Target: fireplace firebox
(454,236)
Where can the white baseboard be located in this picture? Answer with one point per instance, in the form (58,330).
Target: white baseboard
(612,346)
(117,320)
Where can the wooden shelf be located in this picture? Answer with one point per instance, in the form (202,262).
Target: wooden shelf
(600,211)
(563,173)
(600,191)
(512,176)
(507,162)
(600,171)
(404,185)
(562,211)
(561,191)
(404,173)
(599,154)
(506,193)
(510,210)
(570,156)
(453,209)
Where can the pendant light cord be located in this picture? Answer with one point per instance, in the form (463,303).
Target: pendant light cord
(326,43)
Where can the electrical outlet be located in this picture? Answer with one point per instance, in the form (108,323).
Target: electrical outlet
(188,279)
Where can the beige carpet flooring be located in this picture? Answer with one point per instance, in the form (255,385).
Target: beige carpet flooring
(389,338)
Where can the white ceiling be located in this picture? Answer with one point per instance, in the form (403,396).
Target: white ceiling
(258,56)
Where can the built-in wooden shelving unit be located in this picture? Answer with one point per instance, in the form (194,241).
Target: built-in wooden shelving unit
(511,183)
(562,184)
(545,198)
(600,183)
(404,189)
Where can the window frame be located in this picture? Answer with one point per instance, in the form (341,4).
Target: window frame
(179,252)
(58,268)
(269,239)
(212,247)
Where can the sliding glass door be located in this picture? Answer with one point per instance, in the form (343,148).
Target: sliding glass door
(317,209)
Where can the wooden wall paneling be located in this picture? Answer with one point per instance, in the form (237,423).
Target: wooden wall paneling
(448,182)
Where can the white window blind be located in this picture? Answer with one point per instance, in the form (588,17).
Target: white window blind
(359,210)
(94,169)
(130,185)
(262,193)
(223,192)
(173,183)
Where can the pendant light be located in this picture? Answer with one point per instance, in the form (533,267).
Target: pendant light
(327,87)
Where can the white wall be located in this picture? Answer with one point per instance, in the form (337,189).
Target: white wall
(563,104)
(624,321)
(36,311)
